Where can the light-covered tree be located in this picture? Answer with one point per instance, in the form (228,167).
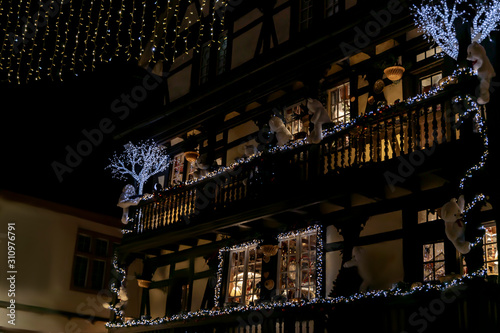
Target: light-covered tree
(139,161)
(437,20)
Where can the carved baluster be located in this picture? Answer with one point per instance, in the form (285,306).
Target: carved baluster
(335,151)
(434,125)
(370,142)
(350,145)
(154,217)
(410,130)
(443,124)
(378,148)
(178,213)
(386,140)
(329,159)
(394,145)
(183,201)
(147,217)
(343,152)
(418,133)
(402,137)
(426,127)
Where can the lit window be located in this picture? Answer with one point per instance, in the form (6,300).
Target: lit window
(428,82)
(427,216)
(306,14)
(177,169)
(294,122)
(340,106)
(490,249)
(297,266)
(433,259)
(91,264)
(429,53)
(245,273)
(204,65)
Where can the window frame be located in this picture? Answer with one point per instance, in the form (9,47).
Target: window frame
(204,73)
(245,264)
(221,64)
(493,244)
(346,102)
(92,256)
(305,23)
(433,261)
(315,285)
(429,76)
(295,126)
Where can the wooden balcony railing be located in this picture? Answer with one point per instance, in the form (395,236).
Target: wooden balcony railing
(397,131)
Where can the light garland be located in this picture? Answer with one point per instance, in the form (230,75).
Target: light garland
(121,272)
(472,107)
(395,292)
(464,71)
(67,37)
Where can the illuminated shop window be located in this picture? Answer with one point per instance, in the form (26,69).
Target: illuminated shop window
(297,266)
(245,273)
(433,261)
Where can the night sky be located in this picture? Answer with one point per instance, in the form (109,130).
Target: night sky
(41,120)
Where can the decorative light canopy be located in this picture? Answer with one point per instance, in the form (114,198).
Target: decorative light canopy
(56,38)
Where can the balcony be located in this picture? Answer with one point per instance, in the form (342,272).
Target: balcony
(425,131)
(470,305)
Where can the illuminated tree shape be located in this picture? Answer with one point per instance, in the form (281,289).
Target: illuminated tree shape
(139,161)
(437,23)
(485,21)
(436,20)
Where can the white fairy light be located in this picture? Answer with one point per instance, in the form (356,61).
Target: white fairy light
(284,305)
(485,21)
(437,22)
(139,161)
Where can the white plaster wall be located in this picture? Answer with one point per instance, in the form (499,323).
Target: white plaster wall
(45,244)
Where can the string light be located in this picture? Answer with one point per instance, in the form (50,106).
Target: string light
(116,290)
(284,305)
(485,21)
(395,292)
(458,73)
(72,39)
(437,22)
